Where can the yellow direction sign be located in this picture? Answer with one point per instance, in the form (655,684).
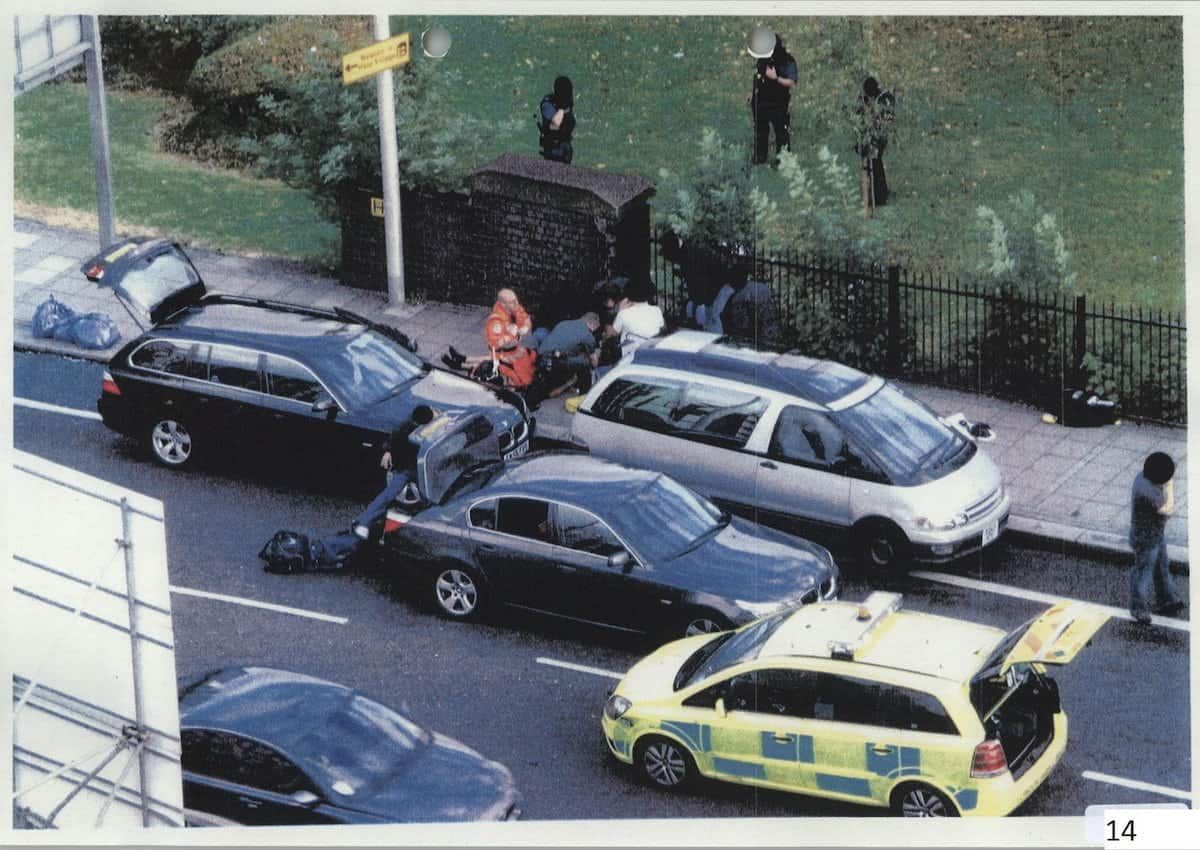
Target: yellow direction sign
(380,56)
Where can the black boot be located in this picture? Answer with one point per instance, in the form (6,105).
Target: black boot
(455,354)
(452,363)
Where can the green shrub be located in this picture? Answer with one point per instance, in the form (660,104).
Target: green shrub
(822,214)
(160,51)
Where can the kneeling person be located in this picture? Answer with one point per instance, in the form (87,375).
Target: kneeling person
(567,356)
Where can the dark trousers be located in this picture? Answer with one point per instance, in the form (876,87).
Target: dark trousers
(879,186)
(766,116)
(1151,572)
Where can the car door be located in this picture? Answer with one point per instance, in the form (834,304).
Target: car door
(291,390)
(623,595)
(801,476)
(164,374)
(914,736)
(849,749)
(633,424)
(247,781)
(516,554)
(229,405)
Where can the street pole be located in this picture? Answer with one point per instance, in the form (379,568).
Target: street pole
(391,176)
(98,115)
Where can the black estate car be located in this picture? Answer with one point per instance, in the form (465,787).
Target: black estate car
(584,538)
(270,747)
(215,372)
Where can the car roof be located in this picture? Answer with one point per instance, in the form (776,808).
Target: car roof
(276,706)
(280,330)
(925,644)
(581,479)
(819,381)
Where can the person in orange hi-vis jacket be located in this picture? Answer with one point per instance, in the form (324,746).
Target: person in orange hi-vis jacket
(503,330)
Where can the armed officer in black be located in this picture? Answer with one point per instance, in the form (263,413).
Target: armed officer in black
(775,75)
(556,121)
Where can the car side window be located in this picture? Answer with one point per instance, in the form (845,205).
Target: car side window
(288,379)
(577,529)
(725,417)
(647,403)
(805,436)
(234,367)
(165,356)
(787,692)
(483,515)
(844,699)
(529,518)
(903,708)
(232,758)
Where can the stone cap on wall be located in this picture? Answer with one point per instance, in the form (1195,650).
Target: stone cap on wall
(537,180)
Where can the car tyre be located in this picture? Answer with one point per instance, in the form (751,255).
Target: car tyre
(458,593)
(880,545)
(171,442)
(915,800)
(663,763)
(703,622)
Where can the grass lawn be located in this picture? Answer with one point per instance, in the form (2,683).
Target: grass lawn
(155,191)
(1084,112)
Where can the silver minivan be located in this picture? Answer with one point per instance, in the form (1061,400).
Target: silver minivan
(801,443)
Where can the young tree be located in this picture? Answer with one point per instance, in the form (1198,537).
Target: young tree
(822,215)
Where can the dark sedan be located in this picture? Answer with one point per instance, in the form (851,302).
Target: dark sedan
(269,747)
(579,537)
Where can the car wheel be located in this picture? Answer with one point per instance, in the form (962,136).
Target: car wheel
(457,593)
(881,546)
(170,442)
(705,622)
(922,801)
(664,763)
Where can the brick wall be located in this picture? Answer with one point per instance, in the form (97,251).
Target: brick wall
(548,242)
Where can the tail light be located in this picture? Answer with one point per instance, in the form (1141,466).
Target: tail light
(989,759)
(394,521)
(109,386)
(95,272)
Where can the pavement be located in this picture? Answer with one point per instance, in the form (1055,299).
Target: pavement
(1069,486)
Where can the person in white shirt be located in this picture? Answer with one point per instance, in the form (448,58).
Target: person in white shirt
(636,322)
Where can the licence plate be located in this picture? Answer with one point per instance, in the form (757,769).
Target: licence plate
(991,532)
(523,449)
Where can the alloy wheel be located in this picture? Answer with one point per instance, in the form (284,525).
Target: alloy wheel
(171,442)
(456,593)
(702,626)
(664,764)
(919,802)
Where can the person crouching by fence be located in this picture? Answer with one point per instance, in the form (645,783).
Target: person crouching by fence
(566,358)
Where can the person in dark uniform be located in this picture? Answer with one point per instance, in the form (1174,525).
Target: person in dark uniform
(877,111)
(556,121)
(775,76)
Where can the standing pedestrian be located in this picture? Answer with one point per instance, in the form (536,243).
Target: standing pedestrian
(775,76)
(1152,502)
(556,122)
(875,113)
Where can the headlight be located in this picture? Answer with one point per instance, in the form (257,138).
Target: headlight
(616,706)
(760,609)
(941,523)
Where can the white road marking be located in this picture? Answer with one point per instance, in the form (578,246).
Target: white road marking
(54,408)
(266,606)
(1035,596)
(1140,786)
(580,668)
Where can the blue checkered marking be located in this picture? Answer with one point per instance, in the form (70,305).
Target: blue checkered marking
(733,767)
(900,761)
(967,798)
(698,736)
(799,748)
(844,784)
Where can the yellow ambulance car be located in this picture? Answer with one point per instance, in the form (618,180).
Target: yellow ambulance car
(929,715)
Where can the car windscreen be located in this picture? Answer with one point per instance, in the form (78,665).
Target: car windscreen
(728,649)
(665,519)
(357,746)
(369,369)
(904,436)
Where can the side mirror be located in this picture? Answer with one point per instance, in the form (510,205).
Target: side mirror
(719,707)
(619,560)
(324,402)
(305,797)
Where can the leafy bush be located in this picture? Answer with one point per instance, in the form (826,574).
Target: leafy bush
(823,215)
(326,136)
(160,51)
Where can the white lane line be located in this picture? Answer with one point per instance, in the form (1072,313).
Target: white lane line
(266,606)
(1047,598)
(1140,786)
(54,408)
(580,668)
